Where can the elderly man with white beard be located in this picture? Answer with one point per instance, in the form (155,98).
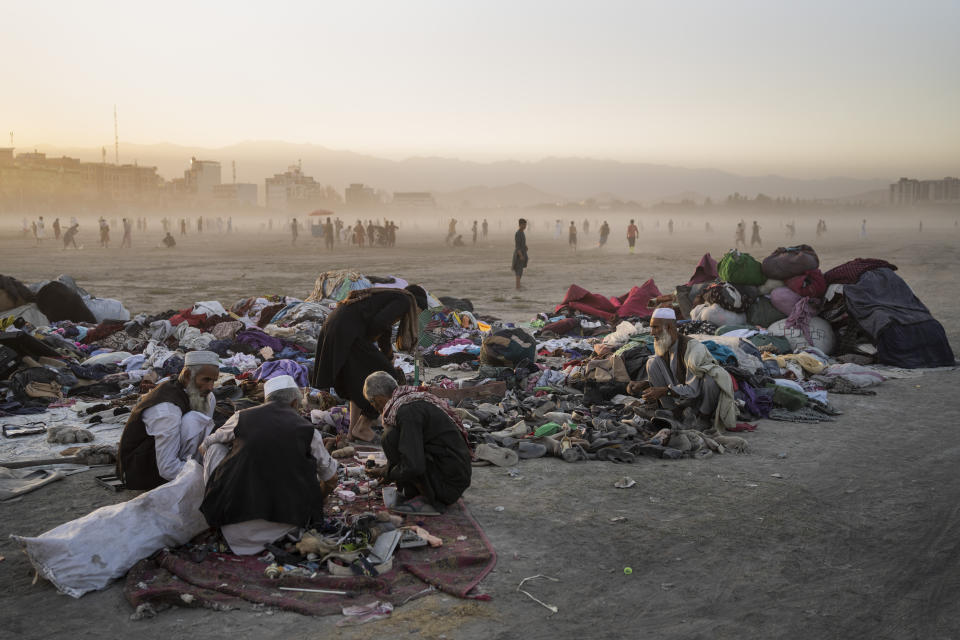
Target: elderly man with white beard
(684,374)
(168,424)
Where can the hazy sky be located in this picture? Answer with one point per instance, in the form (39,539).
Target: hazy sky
(805,88)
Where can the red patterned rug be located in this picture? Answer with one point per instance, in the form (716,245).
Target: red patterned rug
(226,581)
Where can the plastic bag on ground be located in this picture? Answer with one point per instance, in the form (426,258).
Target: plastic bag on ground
(88,553)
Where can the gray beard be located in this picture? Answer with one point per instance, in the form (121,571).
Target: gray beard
(661,346)
(198,399)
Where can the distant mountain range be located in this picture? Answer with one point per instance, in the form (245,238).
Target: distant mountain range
(505,183)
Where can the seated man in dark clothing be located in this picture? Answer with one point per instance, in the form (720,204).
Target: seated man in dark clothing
(425,445)
(267,471)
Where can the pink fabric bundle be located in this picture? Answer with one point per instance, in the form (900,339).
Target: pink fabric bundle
(784,300)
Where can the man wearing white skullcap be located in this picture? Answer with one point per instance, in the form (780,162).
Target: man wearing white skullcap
(167,425)
(266,470)
(682,373)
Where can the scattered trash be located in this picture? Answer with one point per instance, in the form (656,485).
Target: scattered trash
(461,538)
(666,586)
(618,519)
(333,592)
(625,482)
(274,571)
(781,455)
(627,570)
(752,484)
(528,594)
(498,508)
(776,475)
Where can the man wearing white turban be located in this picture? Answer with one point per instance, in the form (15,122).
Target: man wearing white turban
(267,471)
(168,424)
(682,373)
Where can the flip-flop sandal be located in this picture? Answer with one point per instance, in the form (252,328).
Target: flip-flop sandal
(416,507)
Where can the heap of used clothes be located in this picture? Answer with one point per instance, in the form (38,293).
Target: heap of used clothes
(786,343)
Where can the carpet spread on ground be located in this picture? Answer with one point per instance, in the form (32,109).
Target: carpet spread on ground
(225,581)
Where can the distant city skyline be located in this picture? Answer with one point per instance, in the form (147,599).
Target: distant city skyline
(803,90)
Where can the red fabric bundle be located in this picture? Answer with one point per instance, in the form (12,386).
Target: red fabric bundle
(810,284)
(592,304)
(706,270)
(634,303)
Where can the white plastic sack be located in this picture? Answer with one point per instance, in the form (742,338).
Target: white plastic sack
(107,309)
(717,315)
(86,554)
(770,285)
(209,308)
(110,357)
(620,337)
(820,330)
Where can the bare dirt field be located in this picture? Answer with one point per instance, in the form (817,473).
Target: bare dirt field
(857,536)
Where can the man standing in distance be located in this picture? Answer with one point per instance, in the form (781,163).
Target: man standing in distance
(520,257)
(632,233)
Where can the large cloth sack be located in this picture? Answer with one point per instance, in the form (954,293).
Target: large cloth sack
(715,314)
(508,348)
(787,262)
(86,554)
(762,312)
(107,309)
(611,369)
(850,272)
(727,296)
(740,268)
(914,346)
(810,284)
(784,299)
(820,331)
(767,287)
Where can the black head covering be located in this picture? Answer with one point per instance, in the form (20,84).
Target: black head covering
(419,295)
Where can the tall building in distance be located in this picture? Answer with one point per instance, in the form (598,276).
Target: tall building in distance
(414,200)
(201,178)
(910,191)
(295,192)
(242,194)
(32,180)
(360,196)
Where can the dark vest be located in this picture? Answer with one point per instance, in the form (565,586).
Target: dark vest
(137,454)
(270,472)
(682,342)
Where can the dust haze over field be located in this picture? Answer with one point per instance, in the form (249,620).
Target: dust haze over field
(856,537)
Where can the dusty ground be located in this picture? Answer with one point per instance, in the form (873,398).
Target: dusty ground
(860,538)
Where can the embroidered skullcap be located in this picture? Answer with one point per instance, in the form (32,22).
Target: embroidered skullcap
(664,313)
(201,357)
(277,383)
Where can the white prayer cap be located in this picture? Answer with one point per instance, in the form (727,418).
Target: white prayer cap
(280,382)
(664,313)
(201,357)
